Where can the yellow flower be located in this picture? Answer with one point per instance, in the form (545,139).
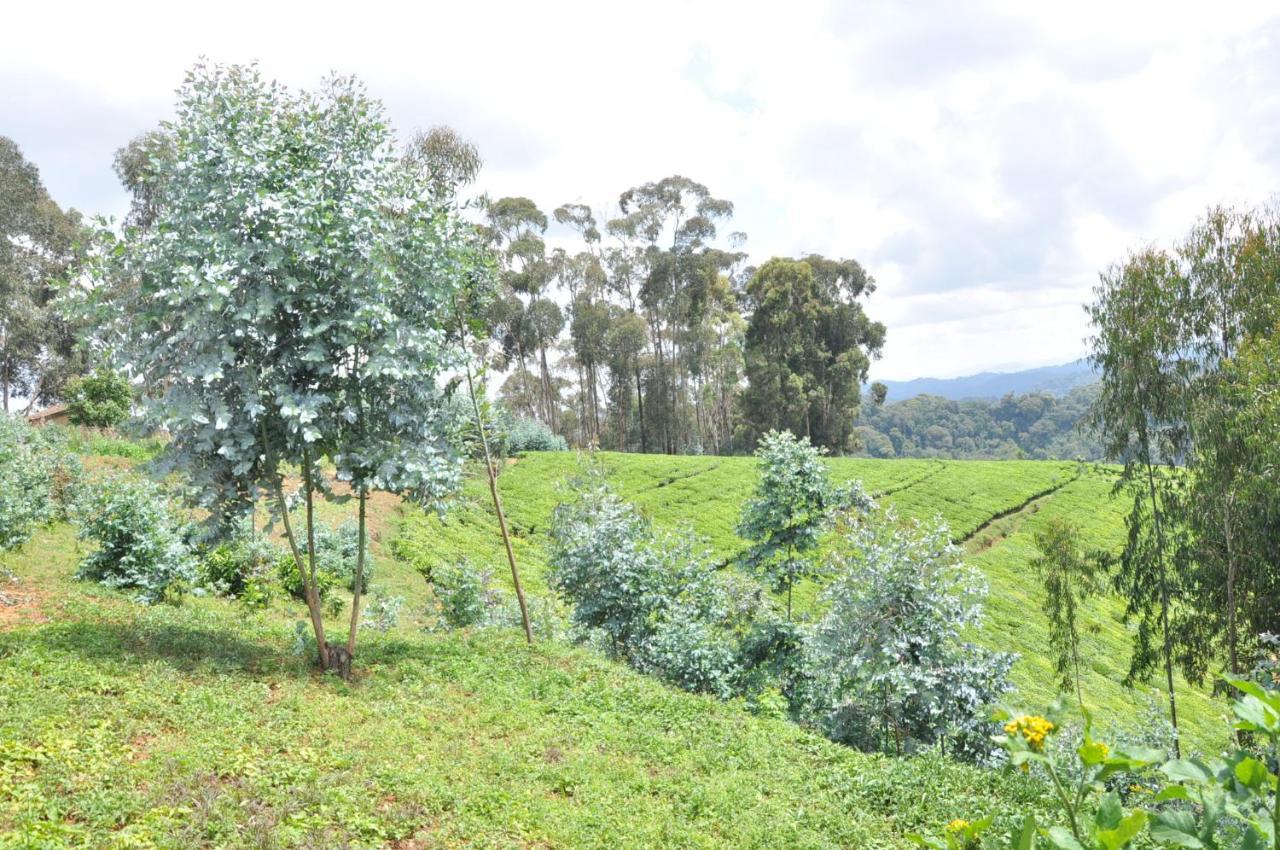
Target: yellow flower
(1033,728)
(1103,748)
(957,825)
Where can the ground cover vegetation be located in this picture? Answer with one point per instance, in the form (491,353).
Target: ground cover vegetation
(818,644)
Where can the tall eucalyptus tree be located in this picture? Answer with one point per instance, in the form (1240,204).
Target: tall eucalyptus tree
(302,316)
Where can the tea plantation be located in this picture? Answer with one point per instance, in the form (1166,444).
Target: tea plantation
(196,725)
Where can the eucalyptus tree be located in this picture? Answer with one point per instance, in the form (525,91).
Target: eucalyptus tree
(290,303)
(1231,261)
(793,504)
(1139,415)
(1070,577)
(530,321)
(684,212)
(37,246)
(809,345)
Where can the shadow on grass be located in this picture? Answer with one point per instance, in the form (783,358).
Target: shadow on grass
(185,648)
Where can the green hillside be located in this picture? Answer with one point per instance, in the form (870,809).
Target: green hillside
(992,507)
(123,725)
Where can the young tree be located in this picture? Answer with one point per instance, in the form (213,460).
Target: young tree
(794,503)
(1069,577)
(302,316)
(889,665)
(101,399)
(1139,414)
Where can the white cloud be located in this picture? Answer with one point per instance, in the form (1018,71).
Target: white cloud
(983,160)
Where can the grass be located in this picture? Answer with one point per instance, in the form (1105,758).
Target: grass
(992,507)
(196,726)
(128,726)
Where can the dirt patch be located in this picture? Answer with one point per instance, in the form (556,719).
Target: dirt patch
(21,605)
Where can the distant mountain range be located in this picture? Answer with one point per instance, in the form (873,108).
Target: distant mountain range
(1058,380)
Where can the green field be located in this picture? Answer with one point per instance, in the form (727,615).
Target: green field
(125,726)
(196,726)
(992,507)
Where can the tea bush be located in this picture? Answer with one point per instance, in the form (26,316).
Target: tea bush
(142,544)
(38,479)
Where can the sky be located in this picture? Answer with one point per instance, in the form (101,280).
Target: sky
(983,160)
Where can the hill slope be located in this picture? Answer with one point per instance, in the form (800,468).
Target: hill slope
(128,726)
(992,507)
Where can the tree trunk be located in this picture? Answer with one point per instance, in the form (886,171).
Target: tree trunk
(1164,600)
(358,588)
(493,490)
(644,442)
(308,594)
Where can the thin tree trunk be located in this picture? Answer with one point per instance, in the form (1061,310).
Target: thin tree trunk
(313,608)
(359,585)
(493,489)
(1164,603)
(644,442)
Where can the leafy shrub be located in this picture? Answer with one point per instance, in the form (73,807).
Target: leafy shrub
(462,593)
(529,435)
(142,544)
(243,567)
(1211,804)
(382,614)
(101,399)
(38,479)
(508,434)
(657,601)
(335,561)
(890,670)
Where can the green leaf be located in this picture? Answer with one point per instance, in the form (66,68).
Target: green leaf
(1063,839)
(1252,773)
(1026,837)
(1184,770)
(1124,832)
(1109,812)
(1175,829)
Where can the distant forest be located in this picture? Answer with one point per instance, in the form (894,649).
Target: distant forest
(1036,425)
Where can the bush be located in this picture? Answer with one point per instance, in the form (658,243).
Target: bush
(38,479)
(529,435)
(101,399)
(142,544)
(462,593)
(657,602)
(382,614)
(335,561)
(243,567)
(888,667)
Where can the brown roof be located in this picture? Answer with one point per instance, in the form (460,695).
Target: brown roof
(47,413)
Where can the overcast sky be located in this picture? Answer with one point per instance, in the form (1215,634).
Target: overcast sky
(982,160)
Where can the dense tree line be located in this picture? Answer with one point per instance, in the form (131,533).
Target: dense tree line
(657,337)
(1037,425)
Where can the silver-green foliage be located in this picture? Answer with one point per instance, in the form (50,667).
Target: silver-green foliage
(290,300)
(888,664)
(794,504)
(38,475)
(656,599)
(142,544)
